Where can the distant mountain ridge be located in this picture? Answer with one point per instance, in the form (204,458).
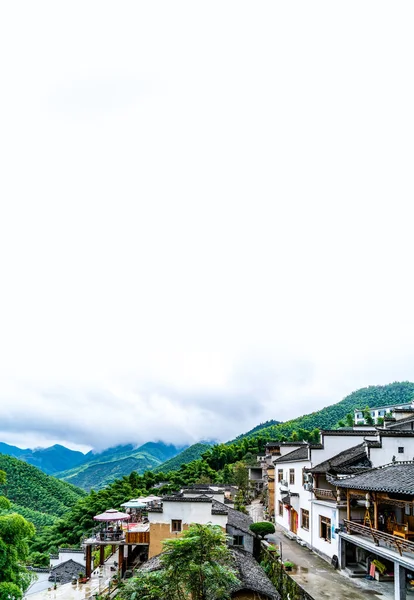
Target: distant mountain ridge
(191,453)
(100,469)
(50,460)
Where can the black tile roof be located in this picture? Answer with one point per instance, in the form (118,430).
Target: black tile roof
(396,478)
(396,422)
(239,520)
(345,458)
(250,574)
(348,432)
(178,498)
(301,453)
(218,508)
(286,443)
(395,432)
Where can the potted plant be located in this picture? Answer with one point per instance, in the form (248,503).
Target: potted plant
(288,565)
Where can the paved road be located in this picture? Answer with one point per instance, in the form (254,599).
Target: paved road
(322,581)
(255,510)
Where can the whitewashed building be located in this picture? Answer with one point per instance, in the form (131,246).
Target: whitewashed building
(380,411)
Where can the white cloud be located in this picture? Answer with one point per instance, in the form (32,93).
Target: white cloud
(201,202)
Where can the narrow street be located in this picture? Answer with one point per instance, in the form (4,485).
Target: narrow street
(321,580)
(81,591)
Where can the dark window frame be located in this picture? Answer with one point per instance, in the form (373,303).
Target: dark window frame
(325,525)
(304,519)
(176,525)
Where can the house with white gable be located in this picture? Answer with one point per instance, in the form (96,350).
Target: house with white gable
(313,505)
(177,512)
(306,503)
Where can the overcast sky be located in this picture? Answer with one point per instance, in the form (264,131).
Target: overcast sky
(206,214)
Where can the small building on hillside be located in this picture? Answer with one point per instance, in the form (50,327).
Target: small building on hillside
(65,554)
(66,571)
(377,412)
(178,512)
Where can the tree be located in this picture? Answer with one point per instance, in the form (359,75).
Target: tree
(368,418)
(203,479)
(349,420)
(3,477)
(14,534)
(195,566)
(262,528)
(10,590)
(241,475)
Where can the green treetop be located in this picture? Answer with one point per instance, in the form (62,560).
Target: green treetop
(195,566)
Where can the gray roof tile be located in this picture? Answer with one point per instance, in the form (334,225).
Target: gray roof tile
(346,458)
(301,453)
(397,478)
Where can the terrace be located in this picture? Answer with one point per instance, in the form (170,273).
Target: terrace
(132,533)
(380,503)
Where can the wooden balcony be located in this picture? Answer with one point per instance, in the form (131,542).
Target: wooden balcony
(387,539)
(322,494)
(137,537)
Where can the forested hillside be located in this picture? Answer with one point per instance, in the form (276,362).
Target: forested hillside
(101,469)
(327,418)
(39,497)
(189,454)
(50,460)
(256,429)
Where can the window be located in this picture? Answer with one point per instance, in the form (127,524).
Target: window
(292,476)
(400,449)
(280,509)
(279,474)
(305,519)
(238,540)
(325,528)
(176,525)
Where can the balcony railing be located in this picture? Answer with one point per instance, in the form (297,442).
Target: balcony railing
(323,494)
(137,537)
(401,544)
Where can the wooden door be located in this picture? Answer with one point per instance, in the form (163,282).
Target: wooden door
(293,520)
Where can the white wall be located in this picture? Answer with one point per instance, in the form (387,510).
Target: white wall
(187,512)
(329,510)
(219,496)
(64,556)
(303,501)
(390,445)
(334,444)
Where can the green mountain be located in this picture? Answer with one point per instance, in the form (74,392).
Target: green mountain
(186,456)
(328,417)
(39,497)
(50,460)
(100,469)
(256,429)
